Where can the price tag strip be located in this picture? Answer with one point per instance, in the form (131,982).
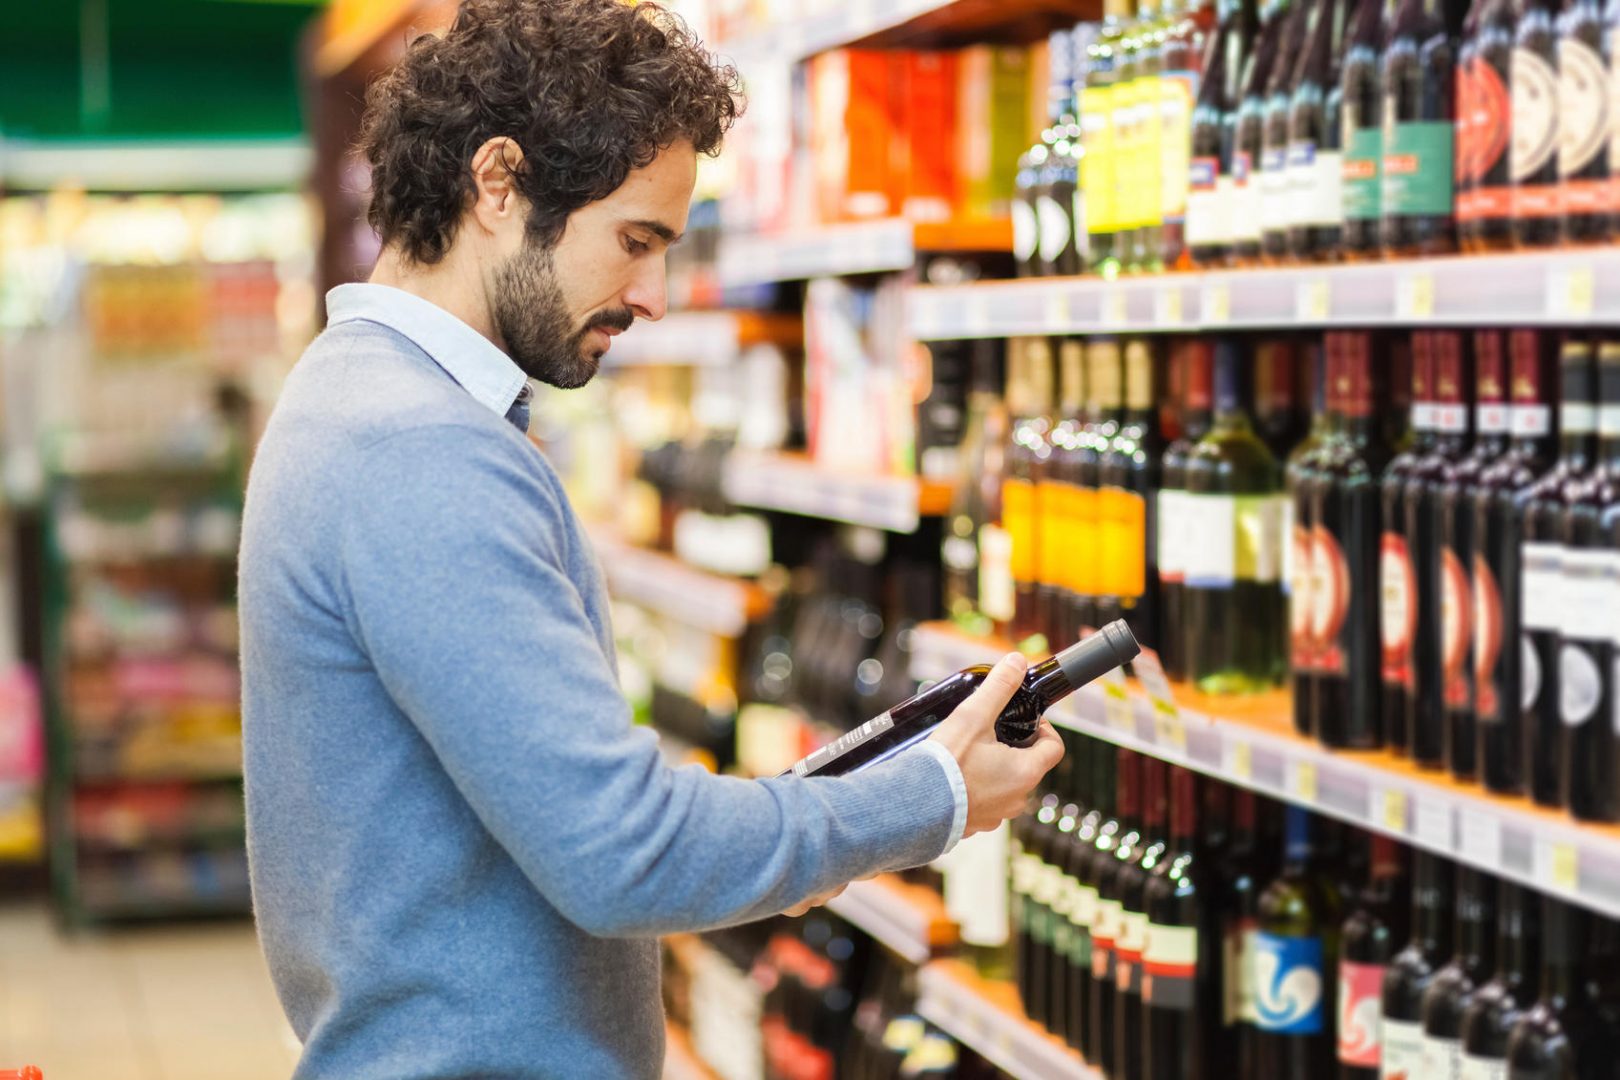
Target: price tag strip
(1010,1042)
(1169,729)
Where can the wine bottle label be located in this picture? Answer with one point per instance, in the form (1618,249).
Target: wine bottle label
(1053,508)
(1425,416)
(1047,880)
(1097,167)
(1492,418)
(1456,628)
(1018,515)
(1149,187)
(1403,1051)
(1103,934)
(1061,933)
(1243,212)
(1225,209)
(1397,587)
(1122,542)
(1275,204)
(1535,135)
(1053,228)
(1297,587)
(1172,566)
(1037,921)
(1361,987)
(1062,902)
(959,553)
(1583,106)
(1085,907)
(1487,641)
(1580,684)
(1576,418)
(1608,421)
(1488,134)
(1473,1067)
(1205,226)
(1128,952)
(1530,421)
(1025,230)
(1288,984)
(1170,967)
(1330,587)
(1315,185)
(1541,585)
(843,744)
(1363,173)
(975,897)
(1418,168)
(1238,1004)
(997,594)
(1239,537)
(1177,95)
(1442,1058)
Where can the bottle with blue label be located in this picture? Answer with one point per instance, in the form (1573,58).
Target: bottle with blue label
(1296,952)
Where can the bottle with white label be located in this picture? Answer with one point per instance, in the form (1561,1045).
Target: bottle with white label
(1373,931)
(1276,201)
(1096,869)
(1077,853)
(1137,862)
(1059,237)
(1242,871)
(1234,506)
(1563,1034)
(1454,985)
(1541,581)
(1495,1008)
(1315,157)
(1180,991)
(1414,967)
(1194,359)
(1589,622)
(1585,123)
(1296,955)
(1245,207)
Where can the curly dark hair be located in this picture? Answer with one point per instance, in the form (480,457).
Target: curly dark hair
(590,89)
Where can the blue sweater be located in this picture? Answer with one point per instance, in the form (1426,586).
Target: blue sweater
(462,850)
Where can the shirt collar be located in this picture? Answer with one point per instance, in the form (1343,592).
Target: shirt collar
(467,356)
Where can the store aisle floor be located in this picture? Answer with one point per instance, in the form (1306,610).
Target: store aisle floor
(168,1003)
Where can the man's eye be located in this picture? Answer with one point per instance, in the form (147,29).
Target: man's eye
(633,246)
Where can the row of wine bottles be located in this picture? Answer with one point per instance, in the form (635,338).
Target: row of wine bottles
(1173,927)
(1210,133)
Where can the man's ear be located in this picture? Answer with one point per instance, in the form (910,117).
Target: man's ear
(496,199)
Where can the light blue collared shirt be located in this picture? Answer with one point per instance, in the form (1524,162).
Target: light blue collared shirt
(467,356)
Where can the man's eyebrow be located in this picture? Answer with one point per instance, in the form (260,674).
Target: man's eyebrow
(658,229)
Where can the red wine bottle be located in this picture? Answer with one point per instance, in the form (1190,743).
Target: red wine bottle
(1414,967)
(1246,207)
(1347,704)
(1425,700)
(1019,724)
(1493,1011)
(1537,198)
(1498,513)
(1541,571)
(1589,618)
(1300,473)
(1363,129)
(1242,872)
(1097,773)
(1373,931)
(1180,991)
(1397,587)
(1109,929)
(1136,868)
(1485,127)
(1585,127)
(1453,985)
(1458,544)
(1197,414)
(1419,111)
(1563,1028)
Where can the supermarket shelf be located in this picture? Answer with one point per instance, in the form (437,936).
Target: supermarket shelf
(890,22)
(156,165)
(987,1017)
(680,1060)
(1555,288)
(797,485)
(1251,742)
(868,247)
(668,586)
(138,909)
(704,338)
(909,919)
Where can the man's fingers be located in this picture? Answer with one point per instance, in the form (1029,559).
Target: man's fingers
(986,703)
(1048,749)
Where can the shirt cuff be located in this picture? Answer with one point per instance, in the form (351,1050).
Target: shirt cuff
(953,773)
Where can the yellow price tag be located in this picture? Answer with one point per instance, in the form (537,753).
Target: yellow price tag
(1578,292)
(1167,305)
(1239,760)
(1557,864)
(1217,305)
(1113,306)
(1170,732)
(1393,811)
(1416,299)
(1117,707)
(1313,302)
(1305,781)
(1058,316)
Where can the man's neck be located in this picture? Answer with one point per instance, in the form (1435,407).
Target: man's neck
(443,284)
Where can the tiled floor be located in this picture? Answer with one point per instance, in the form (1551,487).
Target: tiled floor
(171,1003)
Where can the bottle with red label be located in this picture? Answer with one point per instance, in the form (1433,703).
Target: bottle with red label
(1137,861)
(1376,927)
(1457,604)
(1180,991)
(1299,587)
(1565,1032)
(1485,127)
(1196,358)
(1498,513)
(1473,962)
(1497,1006)
(1589,619)
(1585,123)
(1396,585)
(1537,200)
(1345,555)
(1541,564)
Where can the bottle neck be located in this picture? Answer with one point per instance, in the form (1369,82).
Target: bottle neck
(1244,830)
(1104,778)
(1431,903)
(1564,931)
(1048,682)
(1128,790)
(1297,846)
(1476,934)
(1184,795)
(1154,797)
(1519,938)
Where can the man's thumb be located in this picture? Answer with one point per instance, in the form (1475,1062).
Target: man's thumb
(982,708)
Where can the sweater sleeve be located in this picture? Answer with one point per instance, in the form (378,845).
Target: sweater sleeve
(457,594)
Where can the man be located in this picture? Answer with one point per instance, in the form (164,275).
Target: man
(462,851)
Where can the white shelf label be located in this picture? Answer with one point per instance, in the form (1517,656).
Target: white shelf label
(1239,759)
(1302,780)
(1113,306)
(1433,825)
(1167,306)
(1217,305)
(1481,839)
(1056,314)
(1391,810)
(1313,301)
(975,314)
(1569,291)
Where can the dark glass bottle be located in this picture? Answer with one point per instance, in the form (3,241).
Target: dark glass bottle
(1425,699)
(1362,127)
(1276,204)
(1126,500)
(1028,451)
(1315,148)
(1537,199)
(1072,975)
(1242,872)
(1498,515)
(1198,397)
(1375,928)
(1452,987)
(1065,509)
(1496,1007)
(1105,388)
(1180,988)
(1459,547)
(977,488)
(1032,888)
(1233,502)
(1397,579)
(1060,950)
(1137,862)
(1419,110)
(1109,930)
(1414,967)
(1296,951)
(1561,1036)
(1543,507)
(1095,867)
(1299,474)
(1059,219)
(1589,617)
(1214,129)
(1485,127)
(1345,546)
(1187,37)
(1248,148)
(1585,125)
(1025,227)
(1049,681)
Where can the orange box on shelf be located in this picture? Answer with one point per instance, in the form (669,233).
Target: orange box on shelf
(854,95)
(929,163)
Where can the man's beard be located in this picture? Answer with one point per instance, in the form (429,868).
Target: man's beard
(532,319)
